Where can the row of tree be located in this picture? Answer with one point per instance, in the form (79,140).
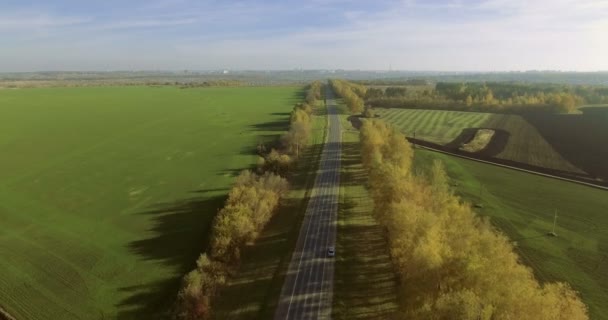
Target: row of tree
(300,130)
(554,98)
(251,203)
(490,97)
(314,92)
(351,93)
(452,264)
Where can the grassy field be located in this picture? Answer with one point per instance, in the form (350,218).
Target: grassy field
(365,283)
(523,206)
(516,140)
(106,194)
(433,125)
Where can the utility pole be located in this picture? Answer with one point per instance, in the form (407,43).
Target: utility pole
(480,204)
(552,233)
(414,142)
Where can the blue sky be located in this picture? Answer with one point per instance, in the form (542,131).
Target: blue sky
(451,35)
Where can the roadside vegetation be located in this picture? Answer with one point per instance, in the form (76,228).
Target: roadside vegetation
(251,204)
(352,94)
(255,289)
(365,283)
(524,207)
(451,263)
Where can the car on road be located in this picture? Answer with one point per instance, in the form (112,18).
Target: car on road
(331,252)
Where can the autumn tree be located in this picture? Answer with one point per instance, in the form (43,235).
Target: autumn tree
(352,94)
(453,264)
(250,205)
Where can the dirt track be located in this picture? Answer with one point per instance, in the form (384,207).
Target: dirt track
(5,315)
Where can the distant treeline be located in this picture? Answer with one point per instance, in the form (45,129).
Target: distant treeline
(395,82)
(402,77)
(118,82)
(251,203)
(217,83)
(501,97)
(452,264)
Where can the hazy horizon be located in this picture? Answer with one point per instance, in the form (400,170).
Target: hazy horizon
(415,36)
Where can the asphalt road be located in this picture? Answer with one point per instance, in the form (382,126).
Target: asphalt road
(308,287)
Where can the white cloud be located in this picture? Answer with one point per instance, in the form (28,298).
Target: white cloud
(412,35)
(32,20)
(147,23)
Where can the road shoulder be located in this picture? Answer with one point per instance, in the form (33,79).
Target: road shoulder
(365,284)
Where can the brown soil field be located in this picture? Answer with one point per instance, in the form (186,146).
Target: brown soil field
(580,139)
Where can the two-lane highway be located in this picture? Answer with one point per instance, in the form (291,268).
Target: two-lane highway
(308,288)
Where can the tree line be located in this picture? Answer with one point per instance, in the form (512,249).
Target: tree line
(451,263)
(505,97)
(351,93)
(279,160)
(251,203)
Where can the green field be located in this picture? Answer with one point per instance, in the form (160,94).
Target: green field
(523,205)
(520,142)
(433,125)
(106,193)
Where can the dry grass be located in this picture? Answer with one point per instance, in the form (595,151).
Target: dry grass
(481,139)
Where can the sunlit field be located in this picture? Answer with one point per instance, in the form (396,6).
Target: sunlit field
(106,194)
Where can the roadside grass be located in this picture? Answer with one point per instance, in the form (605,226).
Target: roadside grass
(523,143)
(254,292)
(523,206)
(107,193)
(365,284)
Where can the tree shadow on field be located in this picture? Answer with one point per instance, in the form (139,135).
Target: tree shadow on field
(351,157)
(234,172)
(365,283)
(253,293)
(278,125)
(180,233)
